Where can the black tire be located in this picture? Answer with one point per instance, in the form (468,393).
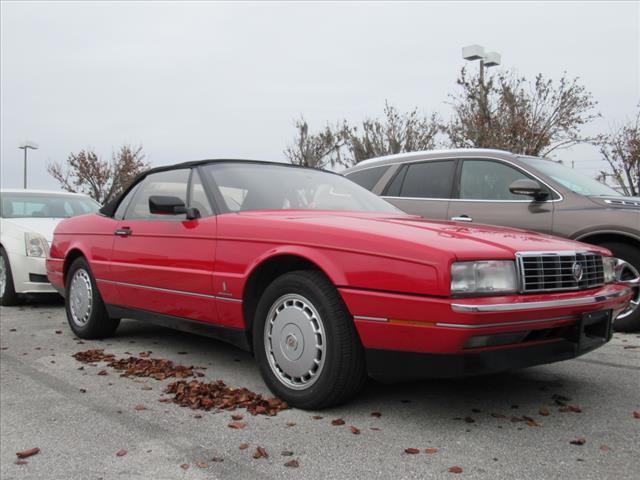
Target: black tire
(9,297)
(344,372)
(97,324)
(630,254)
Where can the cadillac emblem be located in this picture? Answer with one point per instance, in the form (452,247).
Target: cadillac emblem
(577,271)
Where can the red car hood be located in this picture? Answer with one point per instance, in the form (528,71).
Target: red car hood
(374,230)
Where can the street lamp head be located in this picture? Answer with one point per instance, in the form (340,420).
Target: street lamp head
(28,144)
(491,59)
(473,52)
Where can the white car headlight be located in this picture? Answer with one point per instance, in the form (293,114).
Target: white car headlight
(484,277)
(36,245)
(609,267)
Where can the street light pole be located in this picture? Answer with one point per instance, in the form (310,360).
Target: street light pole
(487,60)
(26,146)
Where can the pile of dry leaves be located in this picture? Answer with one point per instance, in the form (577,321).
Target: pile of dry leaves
(200,395)
(157,368)
(93,356)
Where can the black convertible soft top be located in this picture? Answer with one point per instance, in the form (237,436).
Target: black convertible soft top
(110,208)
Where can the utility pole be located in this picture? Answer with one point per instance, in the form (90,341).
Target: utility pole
(26,146)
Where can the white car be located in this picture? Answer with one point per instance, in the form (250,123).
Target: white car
(27,221)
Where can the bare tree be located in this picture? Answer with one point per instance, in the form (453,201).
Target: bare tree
(395,133)
(102,180)
(318,150)
(508,112)
(347,145)
(621,149)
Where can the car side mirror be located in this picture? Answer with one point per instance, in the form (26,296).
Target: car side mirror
(168,205)
(526,186)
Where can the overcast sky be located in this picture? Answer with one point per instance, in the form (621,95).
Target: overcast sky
(203,80)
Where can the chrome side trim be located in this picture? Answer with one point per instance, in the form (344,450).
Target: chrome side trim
(372,319)
(514,307)
(166,290)
(503,324)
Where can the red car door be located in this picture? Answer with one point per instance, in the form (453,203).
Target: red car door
(165,263)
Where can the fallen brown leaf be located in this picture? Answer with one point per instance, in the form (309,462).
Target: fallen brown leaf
(237,416)
(605,448)
(636,414)
(292,463)
(544,411)
(237,425)
(430,451)
(317,417)
(498,415)
(455,469)
(578,441)
(411,450)
(376,414)
(28,453)
(337,422)
(147,387)
(140,407)
(121,453)
(243,446)
(354,430)
(260,453)
(202,464)
(469,420)
(58,332)
(291,424)
(217,459)
(286,453)
(184,466)
(21,462)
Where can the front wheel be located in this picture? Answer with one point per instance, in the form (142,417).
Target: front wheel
(629,320)
(8,295)
(305,342)
(86,313)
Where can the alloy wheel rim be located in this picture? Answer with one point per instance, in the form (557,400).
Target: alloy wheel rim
(629,275)
(3,276)
(294,341)
(80,297)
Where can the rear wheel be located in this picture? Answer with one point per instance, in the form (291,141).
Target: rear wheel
(629,273)
(305,342)
(86,313)
(8,295)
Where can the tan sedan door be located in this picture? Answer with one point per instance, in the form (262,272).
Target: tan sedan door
(482,196)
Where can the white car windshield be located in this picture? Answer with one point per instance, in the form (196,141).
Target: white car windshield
(41,205)
(572,179)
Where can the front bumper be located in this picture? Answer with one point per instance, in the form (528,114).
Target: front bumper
(29,274)
(442,337)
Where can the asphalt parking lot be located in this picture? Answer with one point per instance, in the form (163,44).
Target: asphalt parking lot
(79,419)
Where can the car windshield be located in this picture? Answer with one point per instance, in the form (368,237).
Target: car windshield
(572,179)
(41,205)
(251,186)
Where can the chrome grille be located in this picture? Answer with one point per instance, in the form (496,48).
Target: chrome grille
(555,271)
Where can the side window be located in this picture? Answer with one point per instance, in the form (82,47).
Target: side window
(198,197)
(488,180)
(432,179)
(172,183)
(368,177)
(122,206)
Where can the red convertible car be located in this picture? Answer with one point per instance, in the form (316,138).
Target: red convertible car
(327,283)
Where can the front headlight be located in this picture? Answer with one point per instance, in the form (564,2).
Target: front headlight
(485,277)
(609,267)
(36,245)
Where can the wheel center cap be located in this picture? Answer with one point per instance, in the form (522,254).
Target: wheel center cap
(292,342)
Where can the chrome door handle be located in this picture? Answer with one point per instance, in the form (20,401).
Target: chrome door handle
(462,218)
(123,232)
